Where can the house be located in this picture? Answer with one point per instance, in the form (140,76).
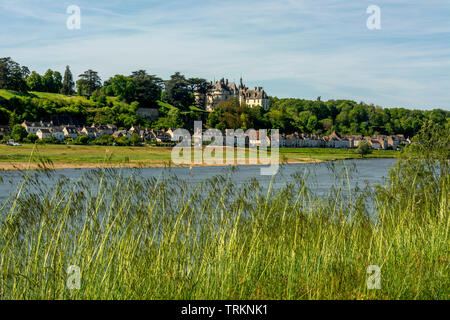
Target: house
(57,133)
(70,132)
(393,142)
(102,130)
(375,144)
(160,135)
(148,113)
(4,130)
(112,127)
(44,134)
(145,134)
(354,140)
(313,141)
(89,132)
(33,127)
(334,140)
(170,133)
(382,140)
(121,133)
(257,138)
(291,140)
(134,130)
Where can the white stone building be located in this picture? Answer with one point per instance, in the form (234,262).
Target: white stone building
(222,90)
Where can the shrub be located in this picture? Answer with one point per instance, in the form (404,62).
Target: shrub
(364,148)
(32,138)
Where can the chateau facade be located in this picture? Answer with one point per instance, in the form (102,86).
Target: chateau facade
(223,90)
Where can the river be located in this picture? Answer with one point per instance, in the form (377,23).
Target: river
(321,176)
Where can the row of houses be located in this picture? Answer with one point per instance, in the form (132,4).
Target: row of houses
(46,130)
(334,140)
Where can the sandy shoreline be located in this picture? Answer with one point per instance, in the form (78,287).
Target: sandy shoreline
(17,166)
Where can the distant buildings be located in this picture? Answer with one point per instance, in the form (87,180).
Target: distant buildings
(334,140)
(44,134)
(222,90)
(33,127)
(46,131)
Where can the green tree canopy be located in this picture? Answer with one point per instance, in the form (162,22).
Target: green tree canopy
(89,82)
(364,148)
(34,82)
(147,88)
(13,76)
(18,132)
(52,81)
(68,85)
(179,91)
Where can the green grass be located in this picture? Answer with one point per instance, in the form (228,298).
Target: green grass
(136,238)
(8,94)
(65,155)
(75,154)
(333,154)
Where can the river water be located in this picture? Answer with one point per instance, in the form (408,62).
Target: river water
(321,176)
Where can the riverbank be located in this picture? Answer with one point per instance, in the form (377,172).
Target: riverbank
(31,157)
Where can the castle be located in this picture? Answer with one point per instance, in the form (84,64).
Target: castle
(223,90)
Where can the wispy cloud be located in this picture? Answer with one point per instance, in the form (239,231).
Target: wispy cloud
(301,48)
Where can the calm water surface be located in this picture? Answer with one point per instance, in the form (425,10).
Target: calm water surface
(321,176)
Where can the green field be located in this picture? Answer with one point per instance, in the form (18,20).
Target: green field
(8,94)
(62,156)
(332,154)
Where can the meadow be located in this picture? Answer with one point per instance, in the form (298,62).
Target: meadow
(161,238)
(76,156)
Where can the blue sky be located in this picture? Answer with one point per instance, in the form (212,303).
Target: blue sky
(294,48)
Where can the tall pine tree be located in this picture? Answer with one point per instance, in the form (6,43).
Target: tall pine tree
(68,84)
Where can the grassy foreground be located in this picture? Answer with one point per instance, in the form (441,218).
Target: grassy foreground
(75,156)
(134,238)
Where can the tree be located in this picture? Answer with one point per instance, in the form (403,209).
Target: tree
(18,132)
(432,141)
(147,88)
(67,83)
(135,140)
(105,140)
(13,76)
(122,87)
(230,114)
(123,141)
(32,137)
(57,82)
(13,120)
(81,140)
(34,82)
(312,123)
(52,81)
(89,82)
(364,148)
(171,120)
(4,116)
(47,81)
(178,91)
(99,96)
